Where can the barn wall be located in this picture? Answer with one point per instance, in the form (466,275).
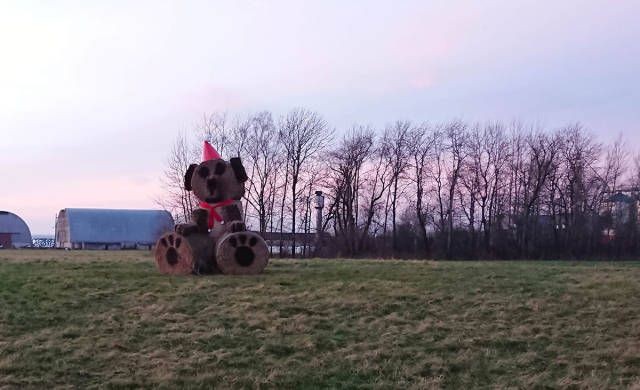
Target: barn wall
(62,231)
(5,240)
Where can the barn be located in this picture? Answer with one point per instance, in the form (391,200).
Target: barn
(79,228)
(14,232)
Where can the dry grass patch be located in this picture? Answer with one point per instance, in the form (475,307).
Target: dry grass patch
(86,319)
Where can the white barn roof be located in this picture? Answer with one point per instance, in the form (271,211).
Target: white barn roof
(116,226)
(16,227)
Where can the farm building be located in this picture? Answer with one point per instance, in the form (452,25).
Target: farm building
(110,229)
(14,232)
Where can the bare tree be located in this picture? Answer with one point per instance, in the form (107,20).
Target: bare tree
(283,199)
(176,199)
(264,156)
(616,164)
(455,134)
(303,134)
(421,144)
(581,187)
(487,148)
(216,129)
(438,177)
(345,182)
(635,179)
(396,140)
(375,184)
(542,150)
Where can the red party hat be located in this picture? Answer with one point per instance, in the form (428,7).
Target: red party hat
(209,153)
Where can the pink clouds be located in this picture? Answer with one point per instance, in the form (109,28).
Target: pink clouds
(38,204)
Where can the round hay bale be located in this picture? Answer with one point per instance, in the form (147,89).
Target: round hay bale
(242,253)
(173,255)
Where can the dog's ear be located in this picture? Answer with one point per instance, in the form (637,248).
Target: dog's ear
(188,176)
(238,169)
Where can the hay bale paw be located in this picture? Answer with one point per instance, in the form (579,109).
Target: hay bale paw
(242,253)
(173,255)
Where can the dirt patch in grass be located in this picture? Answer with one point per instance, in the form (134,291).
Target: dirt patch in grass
(88,319)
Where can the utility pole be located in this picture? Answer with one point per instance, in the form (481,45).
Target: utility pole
(319,206)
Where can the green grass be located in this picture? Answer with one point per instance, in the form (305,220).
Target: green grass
(108,319)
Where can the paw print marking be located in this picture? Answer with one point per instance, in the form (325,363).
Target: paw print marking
(244,254)
(172,244)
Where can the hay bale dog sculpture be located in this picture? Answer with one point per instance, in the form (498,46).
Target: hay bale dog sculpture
(216,241)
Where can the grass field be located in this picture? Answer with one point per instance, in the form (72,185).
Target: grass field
(90,319)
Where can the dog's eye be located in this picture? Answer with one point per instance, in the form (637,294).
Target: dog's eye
(203,172)
(220,169)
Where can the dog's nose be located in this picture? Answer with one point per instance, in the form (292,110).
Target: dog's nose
(211,185)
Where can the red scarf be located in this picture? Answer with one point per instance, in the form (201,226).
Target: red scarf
(213,214)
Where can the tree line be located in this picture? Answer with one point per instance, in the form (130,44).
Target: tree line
(453,190)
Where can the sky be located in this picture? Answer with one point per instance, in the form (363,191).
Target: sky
(93,94)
